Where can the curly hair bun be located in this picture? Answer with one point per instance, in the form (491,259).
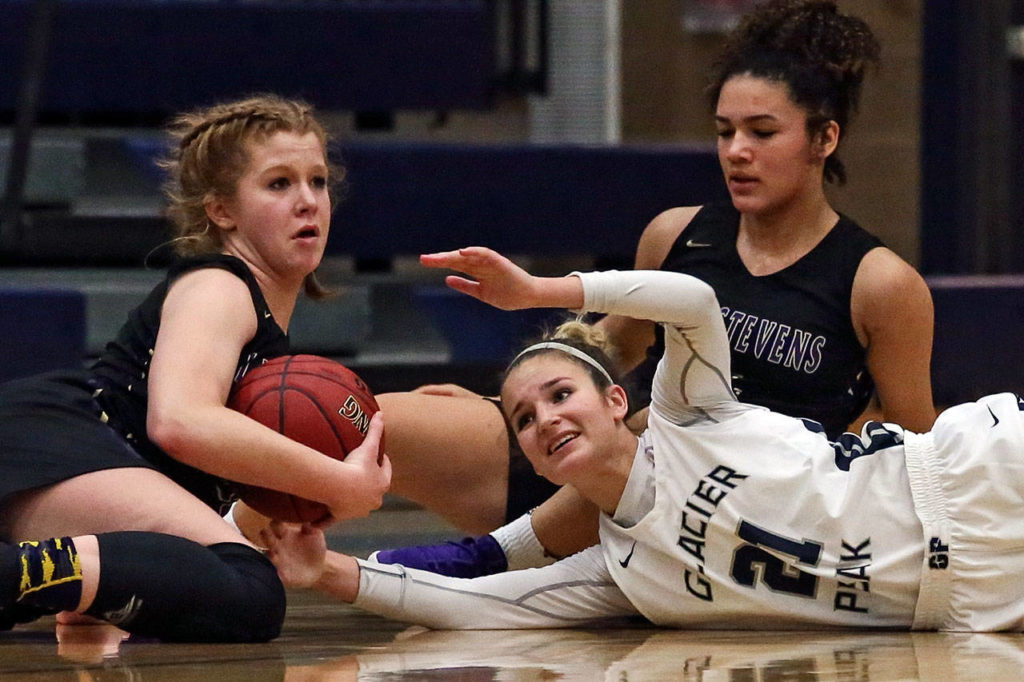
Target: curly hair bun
(820,54)
(813,31)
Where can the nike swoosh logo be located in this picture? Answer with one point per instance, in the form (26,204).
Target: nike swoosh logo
(625,562)
(995,419)
(696,245)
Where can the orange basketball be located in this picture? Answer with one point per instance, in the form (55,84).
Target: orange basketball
(313,400)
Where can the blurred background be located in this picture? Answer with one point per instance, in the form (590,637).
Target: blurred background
(552,130)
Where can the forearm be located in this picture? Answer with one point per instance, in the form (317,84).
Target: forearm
(230,445)
(650,295)
(569,593)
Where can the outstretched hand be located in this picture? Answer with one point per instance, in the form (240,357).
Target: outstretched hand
(495,279)
(297,551)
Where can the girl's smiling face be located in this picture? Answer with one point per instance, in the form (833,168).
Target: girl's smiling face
(565,424)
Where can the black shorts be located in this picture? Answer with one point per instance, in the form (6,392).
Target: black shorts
(51,430)
(526,488)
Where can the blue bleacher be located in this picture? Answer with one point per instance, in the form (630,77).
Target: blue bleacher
(405,198)
(518,199)
(364,55)
(41,329)
(979,335)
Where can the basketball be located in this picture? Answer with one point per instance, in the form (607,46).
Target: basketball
(313,400)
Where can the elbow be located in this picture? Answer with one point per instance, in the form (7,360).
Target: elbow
(168,432)
(706,297)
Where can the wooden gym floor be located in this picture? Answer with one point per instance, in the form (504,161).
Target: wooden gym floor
(327,641)
(323,641)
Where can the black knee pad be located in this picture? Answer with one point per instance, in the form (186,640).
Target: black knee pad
(174,589)
(263,594)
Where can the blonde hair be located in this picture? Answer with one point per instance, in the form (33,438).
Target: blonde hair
(585,334)
(212,153)
(584,338)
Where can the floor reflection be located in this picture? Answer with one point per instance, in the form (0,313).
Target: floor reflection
(325,641)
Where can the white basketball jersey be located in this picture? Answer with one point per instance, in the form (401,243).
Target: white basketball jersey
(740,536)
(758,519)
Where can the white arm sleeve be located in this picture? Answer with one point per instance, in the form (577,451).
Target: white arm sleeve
(695,371)
(568,593)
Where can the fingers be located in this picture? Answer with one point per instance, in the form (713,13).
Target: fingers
(376,447)
(270,535)
(440,259)
(278,533)
(490,277)
(368,475)
(453,259)
(475,261)
(463,285)
(327,521)
(375,429)
(370,447)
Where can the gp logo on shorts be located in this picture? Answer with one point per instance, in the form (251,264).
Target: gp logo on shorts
(938,555)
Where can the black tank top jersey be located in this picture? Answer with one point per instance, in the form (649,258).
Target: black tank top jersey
(794,348)
(122,371)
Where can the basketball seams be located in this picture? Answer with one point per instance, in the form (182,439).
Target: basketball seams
(344,381)
(366,402)
(319,407)
(303,394)
(251,401)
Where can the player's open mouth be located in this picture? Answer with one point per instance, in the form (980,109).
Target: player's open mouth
(307,233)
(565,439)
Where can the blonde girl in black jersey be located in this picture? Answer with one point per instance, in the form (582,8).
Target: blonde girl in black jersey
(113,479)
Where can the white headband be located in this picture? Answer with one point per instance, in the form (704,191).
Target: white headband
(569,350)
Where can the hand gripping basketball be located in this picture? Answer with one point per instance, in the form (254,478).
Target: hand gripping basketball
(313,400)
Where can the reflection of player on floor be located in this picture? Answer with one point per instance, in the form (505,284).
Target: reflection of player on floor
(721,514)
(655,654)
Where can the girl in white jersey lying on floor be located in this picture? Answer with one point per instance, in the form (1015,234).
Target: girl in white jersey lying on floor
(721,514)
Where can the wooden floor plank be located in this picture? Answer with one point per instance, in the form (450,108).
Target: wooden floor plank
(327,641)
